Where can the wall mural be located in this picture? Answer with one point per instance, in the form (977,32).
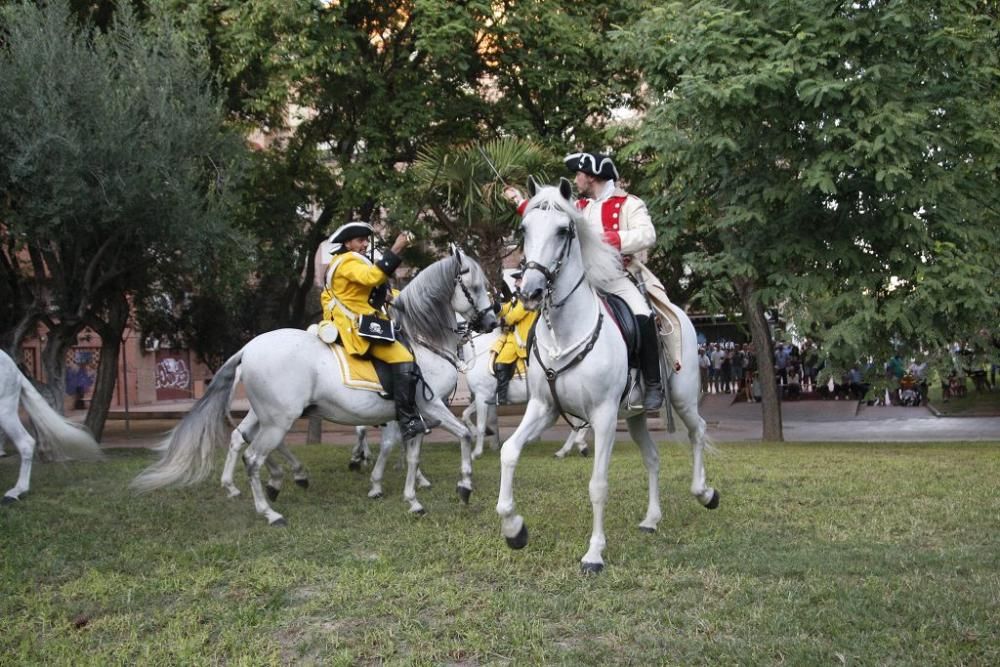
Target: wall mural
(173,375)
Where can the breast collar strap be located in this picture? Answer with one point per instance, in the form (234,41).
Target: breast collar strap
(552,374)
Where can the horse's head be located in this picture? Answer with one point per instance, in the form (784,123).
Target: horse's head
(472,297)
(550,227)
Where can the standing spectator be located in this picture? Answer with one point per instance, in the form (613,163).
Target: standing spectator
(727,370)
(717,357)
(794,387)
(749,370)
(781,363)
(704,363)
(737,369)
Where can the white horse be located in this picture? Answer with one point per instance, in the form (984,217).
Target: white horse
(580,368)
(289,371)
(483,385)
(61,438)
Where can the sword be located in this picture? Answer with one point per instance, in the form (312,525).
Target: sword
(490,163)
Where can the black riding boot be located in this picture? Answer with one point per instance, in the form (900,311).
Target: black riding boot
(404,380)
(649,362)
(503,373)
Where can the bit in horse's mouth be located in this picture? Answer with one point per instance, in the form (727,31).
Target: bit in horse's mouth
(531,304)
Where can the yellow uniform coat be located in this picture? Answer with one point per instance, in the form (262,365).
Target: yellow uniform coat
(350,281)
(516,321)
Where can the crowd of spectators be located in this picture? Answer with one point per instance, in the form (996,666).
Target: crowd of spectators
(729,367)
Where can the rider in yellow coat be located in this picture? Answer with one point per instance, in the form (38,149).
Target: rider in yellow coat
(351,280)
(512,347)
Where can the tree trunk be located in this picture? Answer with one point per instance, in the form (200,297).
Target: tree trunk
(315,432)
(110,331)
(104,386)
(54,365)
(760,332)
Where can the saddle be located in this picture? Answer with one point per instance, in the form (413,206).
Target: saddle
(627,325)
(364,372)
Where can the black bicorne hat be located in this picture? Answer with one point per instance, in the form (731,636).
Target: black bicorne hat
(595,164)
(352,230)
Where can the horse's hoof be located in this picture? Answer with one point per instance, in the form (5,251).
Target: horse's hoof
(591,568)
(464,494)
(354,465)
(302,483)
(419,512)
(376,496)
(280,522)
(8,500)
(714,502)
(585,452)
(272,493)
(647,529)
(520,540)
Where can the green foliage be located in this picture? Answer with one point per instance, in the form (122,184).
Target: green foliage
(466,185)
(819,554)
(348,94)
(844,160)
(117,169)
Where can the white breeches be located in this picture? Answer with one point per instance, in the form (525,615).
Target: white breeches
(627,290)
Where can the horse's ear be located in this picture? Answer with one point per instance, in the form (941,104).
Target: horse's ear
(453,249)
(565,188)
(533,186)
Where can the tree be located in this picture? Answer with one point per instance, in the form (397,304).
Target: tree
(115,181)
(848,150)
(467,194)
(348,94)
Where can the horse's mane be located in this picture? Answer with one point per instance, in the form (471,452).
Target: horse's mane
(423,308)
(602,261)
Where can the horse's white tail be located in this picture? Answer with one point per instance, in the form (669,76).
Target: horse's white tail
(58,436)
(188,449)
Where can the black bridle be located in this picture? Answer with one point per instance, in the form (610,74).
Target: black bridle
(476,320)
(553,273)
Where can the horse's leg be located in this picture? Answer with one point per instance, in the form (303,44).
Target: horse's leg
(456,427)
(361,453)
(581,441)
(412,462)
(25,444)
(492,426)
(299,473)
(390,436)
(639,430)
(268,438)
(241,436)
(473,408)
(604,420)
(537,418)
(276,476)
(686,406)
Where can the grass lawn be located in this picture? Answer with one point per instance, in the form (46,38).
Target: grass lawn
(973,404)
(820,554)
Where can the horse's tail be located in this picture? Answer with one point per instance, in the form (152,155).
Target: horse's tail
(188,448)
(58,436)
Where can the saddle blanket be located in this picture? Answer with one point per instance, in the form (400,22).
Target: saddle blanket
(355,372)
